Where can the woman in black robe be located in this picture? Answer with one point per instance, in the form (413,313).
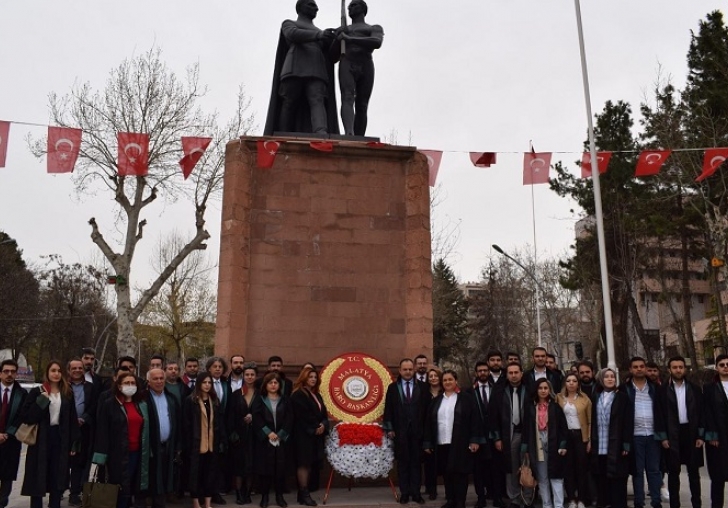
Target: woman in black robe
(272,428)
(51,407)
(454,450)
(240,433)
(203,423)
(544,439)
(311,424)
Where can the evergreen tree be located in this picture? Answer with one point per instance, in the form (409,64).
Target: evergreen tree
(450,335)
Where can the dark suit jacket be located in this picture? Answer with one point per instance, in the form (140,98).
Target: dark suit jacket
(405,418)
(10,450)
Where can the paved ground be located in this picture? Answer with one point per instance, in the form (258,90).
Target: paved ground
(362,496)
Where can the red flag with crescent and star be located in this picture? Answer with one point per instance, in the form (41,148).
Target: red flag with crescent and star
(322,146)
(267,151)
(4,133)
(64,143)
(482,159)
(650,162)
(434,157)
(602,163)
(712,160)
(536,167)
(133,154)
(193,149)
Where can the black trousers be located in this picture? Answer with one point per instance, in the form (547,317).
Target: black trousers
(576,479)
(53,457)
(408,464)
(6,487)
(456,484)
(687,444)
(482,477)
(610,491)
(430,466)
(717,494)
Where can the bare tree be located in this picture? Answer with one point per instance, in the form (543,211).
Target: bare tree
(143,95)
(184,309)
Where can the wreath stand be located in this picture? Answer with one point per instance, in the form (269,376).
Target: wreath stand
(351,481)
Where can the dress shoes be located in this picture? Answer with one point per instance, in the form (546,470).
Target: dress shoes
(403,499)
(418,499)
(218,499)
(264,501)
(280,501)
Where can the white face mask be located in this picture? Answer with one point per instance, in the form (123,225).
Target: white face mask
(128,391)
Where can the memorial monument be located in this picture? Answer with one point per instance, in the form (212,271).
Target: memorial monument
(324,252)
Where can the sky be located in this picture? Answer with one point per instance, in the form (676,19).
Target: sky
(457,76)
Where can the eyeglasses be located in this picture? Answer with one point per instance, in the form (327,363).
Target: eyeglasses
(7,371)
(719,365)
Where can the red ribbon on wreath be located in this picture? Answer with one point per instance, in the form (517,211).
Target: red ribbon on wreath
(358,434)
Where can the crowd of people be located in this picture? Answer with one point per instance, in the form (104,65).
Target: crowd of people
(210,429)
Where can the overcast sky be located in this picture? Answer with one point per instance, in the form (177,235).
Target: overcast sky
(458,76)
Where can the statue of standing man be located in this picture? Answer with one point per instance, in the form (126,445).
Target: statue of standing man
(303,99)
(356,67)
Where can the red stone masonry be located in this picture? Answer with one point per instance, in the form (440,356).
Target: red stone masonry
(325,253)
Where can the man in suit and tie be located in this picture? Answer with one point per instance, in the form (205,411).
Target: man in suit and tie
(192,367)
(88,358)
(12,397)
(404,419)
(506,424)
(421,365)
(84,396)
(482,475)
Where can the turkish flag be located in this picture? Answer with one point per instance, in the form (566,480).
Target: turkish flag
(602,163)
(482,159)
(4,133)
(322,146)
(651,161)
(536,167)
(133,154)
(64,143)
(712,160)
(193,149)
(434,157)
(267,151)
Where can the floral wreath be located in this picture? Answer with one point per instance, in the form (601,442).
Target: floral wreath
(359,450)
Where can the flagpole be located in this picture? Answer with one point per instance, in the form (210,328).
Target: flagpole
(606,301)
(535,264)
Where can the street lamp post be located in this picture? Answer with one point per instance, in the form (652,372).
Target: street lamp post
(539,292)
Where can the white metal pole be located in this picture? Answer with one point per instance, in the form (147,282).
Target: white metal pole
(606,301)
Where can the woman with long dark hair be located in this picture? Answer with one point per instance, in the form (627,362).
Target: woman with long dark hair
(611,439)
(452,434)
(577,408)
(51,407)
(310,426)
(434,382)
(122,438)
(544,439)
(204,436)
(272,425)
(240,433)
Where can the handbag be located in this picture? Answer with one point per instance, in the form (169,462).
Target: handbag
(527,480)
(99,495)
(27,433)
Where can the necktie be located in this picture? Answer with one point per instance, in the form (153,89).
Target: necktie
(482,394)
(192,383)
(516,408)
(408,393)
(5,410)
(218,389)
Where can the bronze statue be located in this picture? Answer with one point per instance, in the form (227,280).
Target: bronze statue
(302,97)
(356,67)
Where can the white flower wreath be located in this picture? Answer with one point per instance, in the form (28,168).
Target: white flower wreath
(360,461)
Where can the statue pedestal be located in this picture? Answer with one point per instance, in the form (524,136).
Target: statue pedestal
(325,253)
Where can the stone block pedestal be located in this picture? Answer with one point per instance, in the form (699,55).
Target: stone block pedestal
(325,253)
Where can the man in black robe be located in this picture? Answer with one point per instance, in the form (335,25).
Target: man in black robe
(12,398)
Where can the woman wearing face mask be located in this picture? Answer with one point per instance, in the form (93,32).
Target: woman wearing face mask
(272,426)
(122,439)
(452,434)
(51,407)
(544,440)
(578,411)
(203,426)
(240,433)
(611,439)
